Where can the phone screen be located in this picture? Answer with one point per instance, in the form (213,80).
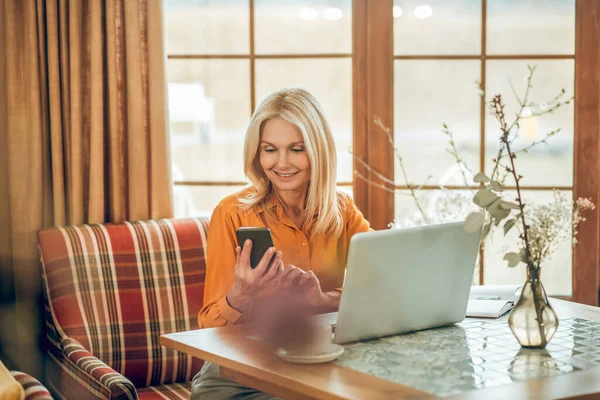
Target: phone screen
(261,241)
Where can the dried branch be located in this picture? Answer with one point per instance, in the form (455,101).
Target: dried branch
(379,185)
(499,110)
(373,171)
(454,152)
(369,181)
(390,137)
(537,142)
(429,177)
(550,110)
(383,178)
(516,121)
(558,96)
(512,88)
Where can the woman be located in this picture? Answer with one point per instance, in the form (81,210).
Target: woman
(290,160)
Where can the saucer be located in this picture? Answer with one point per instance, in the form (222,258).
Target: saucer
(333,351)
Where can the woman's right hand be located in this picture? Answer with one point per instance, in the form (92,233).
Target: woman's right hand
(248,281)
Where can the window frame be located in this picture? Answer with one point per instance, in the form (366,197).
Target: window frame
(586,168)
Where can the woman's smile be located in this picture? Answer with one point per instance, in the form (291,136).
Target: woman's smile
(287,175)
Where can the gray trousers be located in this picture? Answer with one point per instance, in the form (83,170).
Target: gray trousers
(208,385)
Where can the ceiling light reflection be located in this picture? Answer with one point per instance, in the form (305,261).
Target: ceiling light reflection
(309,14)
(333,13)
(397,11)
(424,11)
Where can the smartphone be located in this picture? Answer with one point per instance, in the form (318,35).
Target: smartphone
(261,241)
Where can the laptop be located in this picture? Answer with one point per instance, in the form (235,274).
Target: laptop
(405,280)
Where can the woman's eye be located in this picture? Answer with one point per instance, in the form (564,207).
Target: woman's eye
(298,150)
(269,150)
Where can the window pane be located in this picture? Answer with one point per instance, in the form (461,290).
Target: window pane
(548,164)
(531,27)
(556,272)
(439,206)
(194,201)
(308,26)
(209,108)
(347,189)
(442,206)
(207,26)
(437,27)
(428,93)
(330,80)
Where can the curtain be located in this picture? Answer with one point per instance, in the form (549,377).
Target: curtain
(83,136)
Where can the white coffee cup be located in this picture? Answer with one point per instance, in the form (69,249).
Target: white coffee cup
(319,343)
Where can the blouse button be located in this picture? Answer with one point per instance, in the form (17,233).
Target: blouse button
(304,244)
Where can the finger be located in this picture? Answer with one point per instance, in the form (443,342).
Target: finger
(307,277)
(286,272)
(245,254)
(281,262)
(293,276)
(301,273)
(281,273)
(238,250)
(275,266)
(265,261)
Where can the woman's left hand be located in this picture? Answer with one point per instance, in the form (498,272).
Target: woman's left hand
(306,285)
(302,283)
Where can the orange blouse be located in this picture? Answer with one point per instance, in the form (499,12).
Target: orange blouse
(325,256)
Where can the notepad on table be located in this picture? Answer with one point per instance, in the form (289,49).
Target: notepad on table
(488,308)
(492,301)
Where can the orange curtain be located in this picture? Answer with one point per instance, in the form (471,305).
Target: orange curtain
(83,134)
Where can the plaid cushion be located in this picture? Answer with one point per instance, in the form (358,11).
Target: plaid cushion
(116,288)
(69,379)
(34,390)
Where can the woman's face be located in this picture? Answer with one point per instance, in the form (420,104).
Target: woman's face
(283,155)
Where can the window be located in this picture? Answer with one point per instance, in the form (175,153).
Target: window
(444,53)
(223,58)
(417,65)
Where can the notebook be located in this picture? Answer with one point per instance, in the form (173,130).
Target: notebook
(492,301)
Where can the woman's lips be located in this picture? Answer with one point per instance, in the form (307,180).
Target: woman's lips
(286,176)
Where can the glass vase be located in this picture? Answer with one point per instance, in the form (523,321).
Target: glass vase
(532,320)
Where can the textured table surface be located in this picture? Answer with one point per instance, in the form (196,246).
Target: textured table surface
(474,354)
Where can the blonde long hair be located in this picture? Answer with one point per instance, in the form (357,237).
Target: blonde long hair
(299,107)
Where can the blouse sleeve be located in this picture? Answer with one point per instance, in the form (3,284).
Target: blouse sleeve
(220,271)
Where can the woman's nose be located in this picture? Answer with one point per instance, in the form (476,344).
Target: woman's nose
(283,159)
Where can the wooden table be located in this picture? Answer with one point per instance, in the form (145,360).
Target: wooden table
(254,364)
